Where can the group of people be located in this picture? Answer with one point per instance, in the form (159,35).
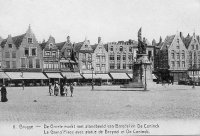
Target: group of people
(64,89)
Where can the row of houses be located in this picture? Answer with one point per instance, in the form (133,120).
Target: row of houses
(23,53)
(179,54)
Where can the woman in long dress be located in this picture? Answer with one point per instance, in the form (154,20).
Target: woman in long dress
(4,94)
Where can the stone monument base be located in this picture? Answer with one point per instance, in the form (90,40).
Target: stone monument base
(133,85)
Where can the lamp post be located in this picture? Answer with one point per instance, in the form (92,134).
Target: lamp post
(145,79)
(92,78)
(193,68)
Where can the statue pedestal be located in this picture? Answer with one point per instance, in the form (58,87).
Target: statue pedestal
(139,69)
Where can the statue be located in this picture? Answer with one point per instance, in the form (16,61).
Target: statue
(141,44)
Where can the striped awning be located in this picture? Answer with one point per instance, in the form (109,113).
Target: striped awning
(119,76)
(54,75)
(14,75)
(72,75)
(104,76)
(33,75)
(3,75)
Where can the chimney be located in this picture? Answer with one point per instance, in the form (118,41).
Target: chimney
(99,39)
(68,39)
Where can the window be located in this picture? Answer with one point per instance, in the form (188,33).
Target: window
(118,57)
(103,67)
(10,45)
(89,66)
(130,49)
(197,47)
(30,63)
(37,63)
(111,48)
(33,51)
(130,57)
(86,46)
(183,64)
(103,58)
(124,57)
(112,65)
(47,53)
(98,67)
(14,54)
(149,54)
(98,58)
(124,66)
(26,51)
(30,40)
(23,62)
(7,54)
(45,64)
(121,48)
(68,52)
(118,65)
(53,54)
(177,47)
(173,56)
(192,47)
(172,64)
(177,40)
(130,66)
(178,64)
(14,64)
(7,64)
(112,57)
(178,56)
(89,56)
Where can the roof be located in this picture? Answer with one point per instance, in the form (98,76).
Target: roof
(106,47)
(17,40)
(94,46)
(60,45)
(77,46)
(187,40)
(168,41)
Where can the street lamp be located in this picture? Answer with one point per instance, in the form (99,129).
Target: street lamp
(145,79)
(92,78)
(193,68)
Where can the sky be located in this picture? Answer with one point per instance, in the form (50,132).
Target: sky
(112,20)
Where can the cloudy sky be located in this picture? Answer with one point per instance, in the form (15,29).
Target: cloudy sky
(113,20)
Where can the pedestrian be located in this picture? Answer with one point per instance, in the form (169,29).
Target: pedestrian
(61,89)
(50,89)
(71,89)
(23,84)
(3,94)
(65,89)
(56,89)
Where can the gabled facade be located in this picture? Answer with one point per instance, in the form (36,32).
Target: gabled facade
(50,55)
(21,53)
(68,59)
(84,53)
(100,57)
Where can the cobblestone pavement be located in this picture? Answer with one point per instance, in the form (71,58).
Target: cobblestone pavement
(104,103)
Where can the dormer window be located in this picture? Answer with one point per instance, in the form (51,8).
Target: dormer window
(26,51)
(50,45)
(30,40)
(121,48)
(10,45)
(111,48)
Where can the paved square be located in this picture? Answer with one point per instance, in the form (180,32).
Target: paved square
(160,103)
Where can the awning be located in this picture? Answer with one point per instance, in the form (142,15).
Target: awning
(130,75)
(89,76)
(33,75)
(54,75)
(72,75)
(3,75)
(119,76)
(103,76)
(14,75)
